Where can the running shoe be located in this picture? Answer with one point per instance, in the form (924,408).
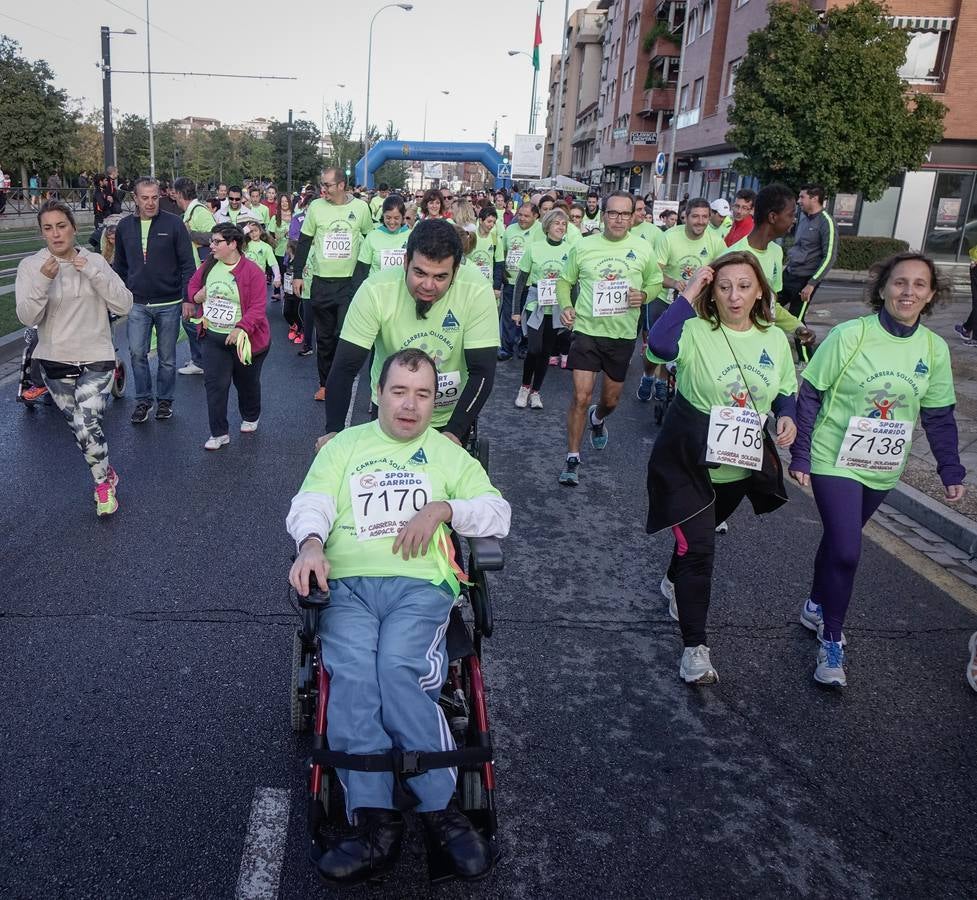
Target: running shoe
(695,667)
(972,665)
(554,360)
(191,368)
(292,331)
(535,401)
(299,338)
(646,388)
(249,427)
(320,395)
(522,398)
(105,501)
(306,351)
(963,333)
(722,528)
(112,477)
(503,356)
(141,413)
(598,433)
(667,589)
(33,394)
(569,474)
(215,443)
(811,618)
(661,390)
(164,409)
(831,664)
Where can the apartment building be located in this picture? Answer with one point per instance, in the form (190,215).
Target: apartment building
(933,209)
(576,142)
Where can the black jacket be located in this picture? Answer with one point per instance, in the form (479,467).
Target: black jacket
(165,273)
(679,485)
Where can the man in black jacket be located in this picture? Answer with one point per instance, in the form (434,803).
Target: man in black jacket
(154,257)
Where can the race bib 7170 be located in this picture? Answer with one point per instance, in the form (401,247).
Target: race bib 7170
(384,502)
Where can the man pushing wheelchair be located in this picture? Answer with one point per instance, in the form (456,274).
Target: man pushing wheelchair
(371,520)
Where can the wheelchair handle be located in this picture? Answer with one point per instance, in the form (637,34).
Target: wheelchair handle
(318,598)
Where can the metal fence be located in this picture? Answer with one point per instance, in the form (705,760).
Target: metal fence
(25,200)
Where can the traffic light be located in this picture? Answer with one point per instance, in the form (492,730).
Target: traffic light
(506,155)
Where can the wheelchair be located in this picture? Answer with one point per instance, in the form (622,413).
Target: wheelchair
(462,700)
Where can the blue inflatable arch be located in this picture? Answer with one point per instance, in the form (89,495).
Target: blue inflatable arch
(385,151)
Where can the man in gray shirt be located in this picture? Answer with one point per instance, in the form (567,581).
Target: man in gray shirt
(811,256)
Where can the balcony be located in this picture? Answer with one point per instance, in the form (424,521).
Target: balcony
(662,6)
(658,98)
(664,48)
(586,132)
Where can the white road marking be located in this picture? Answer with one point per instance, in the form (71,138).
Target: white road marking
(264,845)
(352,401)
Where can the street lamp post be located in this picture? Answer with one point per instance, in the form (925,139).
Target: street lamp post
(149,83)
(554,167)
(288,166)
(495,130)
(532,106)
(406,7)
(108,138)
(424,135)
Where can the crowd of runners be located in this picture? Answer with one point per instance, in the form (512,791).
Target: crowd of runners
(708,297)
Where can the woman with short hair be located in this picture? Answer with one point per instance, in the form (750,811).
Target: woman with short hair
(67,292)
(228,295)
(384,247)
(860,398)
(432,204)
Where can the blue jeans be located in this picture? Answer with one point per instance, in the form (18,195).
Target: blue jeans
(510,334)
(196,357)
(142,319)
(383,646)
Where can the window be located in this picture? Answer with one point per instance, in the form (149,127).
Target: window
(697,93)
(740,3)
(693,25)
(683,98)
(707,12)
(924,56)
(734,64)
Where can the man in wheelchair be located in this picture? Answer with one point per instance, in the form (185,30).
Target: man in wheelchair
(371,518)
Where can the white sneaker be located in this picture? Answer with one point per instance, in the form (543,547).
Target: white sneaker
(831,664)
(695,667)
(249,427)
(535,401)
(522,398)
(191,368)
(811,619)
(722,528)
(667,589)
(215,443)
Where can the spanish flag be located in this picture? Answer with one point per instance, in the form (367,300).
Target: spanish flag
(536,42)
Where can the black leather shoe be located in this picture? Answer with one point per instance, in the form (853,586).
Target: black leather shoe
(457,844)
(370,852)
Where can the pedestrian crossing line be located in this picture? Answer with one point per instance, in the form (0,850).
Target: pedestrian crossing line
(264,845)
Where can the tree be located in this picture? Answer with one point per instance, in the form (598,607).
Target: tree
(86,150)
(393,172)
(818,98)
(339,124)
(306,161)
(132,147)
(36,122)
(256,155)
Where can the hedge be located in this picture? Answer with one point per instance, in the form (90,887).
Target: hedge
(857,254)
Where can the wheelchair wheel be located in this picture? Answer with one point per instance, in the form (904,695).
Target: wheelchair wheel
(471,791)
(119,379)
(298,714)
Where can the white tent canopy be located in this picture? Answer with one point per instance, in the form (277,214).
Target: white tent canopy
(561,183)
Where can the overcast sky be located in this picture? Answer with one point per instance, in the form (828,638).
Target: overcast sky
(454,45)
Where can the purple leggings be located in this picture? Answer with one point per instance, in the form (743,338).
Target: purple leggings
(845,506)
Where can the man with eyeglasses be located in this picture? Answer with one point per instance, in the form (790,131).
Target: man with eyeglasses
(235,198)
(615,272)
(333,230)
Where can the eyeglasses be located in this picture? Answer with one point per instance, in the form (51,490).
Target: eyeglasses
(234,199)
(215,241)
(328,184)
(614,214)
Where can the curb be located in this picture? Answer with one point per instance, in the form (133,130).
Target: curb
(948,524)
(11,345)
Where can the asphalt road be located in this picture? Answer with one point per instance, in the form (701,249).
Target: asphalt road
(146,663)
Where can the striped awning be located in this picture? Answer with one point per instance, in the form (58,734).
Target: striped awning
(923,23)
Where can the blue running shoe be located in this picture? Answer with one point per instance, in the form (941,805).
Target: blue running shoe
(661,390)
(831,665)
(569,474)
(598,433)
(646,388)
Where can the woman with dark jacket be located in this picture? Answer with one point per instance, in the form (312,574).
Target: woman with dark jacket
(228,296)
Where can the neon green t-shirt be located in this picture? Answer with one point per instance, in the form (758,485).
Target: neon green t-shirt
(863,370)
(222,306)
(573,233)
(514,243)
(383,315)
(261,254)
(366,473)
(260,212)
(543,261)
(233,213)
(336,232)
(723,228)
(198,217)
(382,249)
(708,374)
(306,291)
(599,266)
(376,207)
(144,225)
(280,234)
(680,257)
(648,232)
(591,224)
(771,261)
(487,252)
